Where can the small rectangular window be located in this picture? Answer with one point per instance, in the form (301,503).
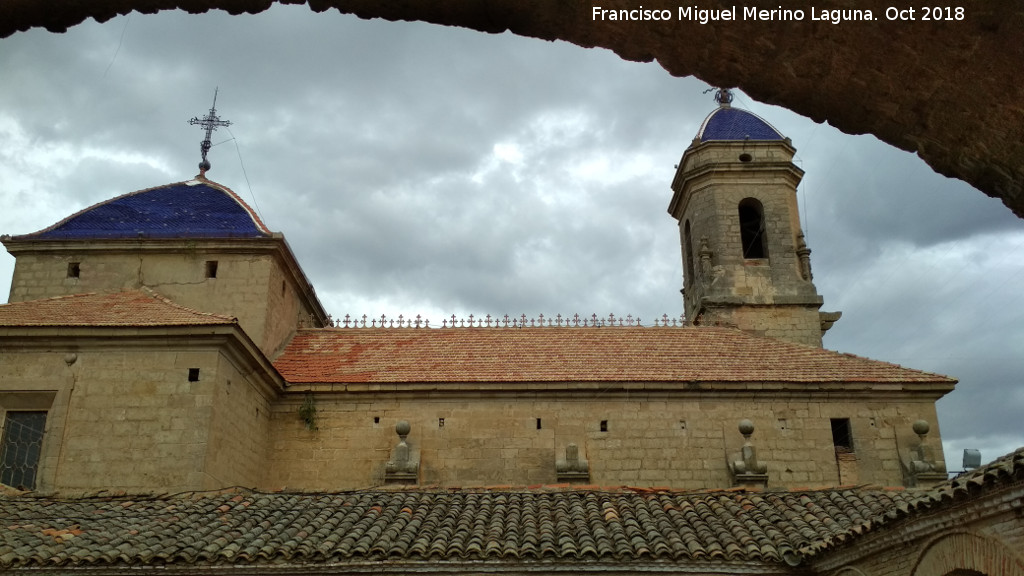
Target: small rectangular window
(20,448)
(193,374)
(74,270)
(604,425)
(842,437)
(538,423)
(211,268)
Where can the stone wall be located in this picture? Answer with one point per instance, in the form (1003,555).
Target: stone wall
(236,449)
(251,282)
(127,414)
(489,438)
(135,416)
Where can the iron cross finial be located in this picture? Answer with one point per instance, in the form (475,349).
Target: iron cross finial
(211,121)
(722,95)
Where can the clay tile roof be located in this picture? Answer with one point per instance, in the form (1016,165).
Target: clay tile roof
(600,528)
(1006,470)
(135,308)
(198,208)
(690,354)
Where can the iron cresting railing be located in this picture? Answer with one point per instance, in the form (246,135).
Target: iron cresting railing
(488,321)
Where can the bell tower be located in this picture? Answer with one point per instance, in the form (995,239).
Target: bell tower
(745,261)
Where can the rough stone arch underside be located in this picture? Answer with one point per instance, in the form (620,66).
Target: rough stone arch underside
(962,551)
(948,90)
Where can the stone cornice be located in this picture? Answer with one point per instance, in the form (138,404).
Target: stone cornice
(692,174)
(926,392)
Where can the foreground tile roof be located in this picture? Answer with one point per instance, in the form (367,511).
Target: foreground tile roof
(133,308)
(1007,470)
(690,354)
(597,527)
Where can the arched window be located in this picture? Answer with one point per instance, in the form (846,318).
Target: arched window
(688,252)
(752,229)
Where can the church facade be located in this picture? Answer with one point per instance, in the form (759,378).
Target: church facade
(166,342)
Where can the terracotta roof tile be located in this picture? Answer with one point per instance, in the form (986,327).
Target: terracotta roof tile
(1008,469)
(691,354)
(134,308)
(420,526)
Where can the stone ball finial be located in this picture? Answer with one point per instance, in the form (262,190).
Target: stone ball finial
(70,358)
(403,428)
(921,427)
(746,427)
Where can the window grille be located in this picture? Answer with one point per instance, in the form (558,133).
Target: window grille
(20,447)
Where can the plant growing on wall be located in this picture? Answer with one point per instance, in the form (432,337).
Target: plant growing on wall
(307,412)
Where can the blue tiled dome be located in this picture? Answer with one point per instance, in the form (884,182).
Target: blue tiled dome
(194,209)
(728,123)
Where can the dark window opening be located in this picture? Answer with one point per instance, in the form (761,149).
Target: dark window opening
(74,270)
(842,437)
(746,157)
(538,423)
(604,425)
(193,374)
(376,419)
(211,268)
(20,448)
(440,422)
(752,229)
(688,252)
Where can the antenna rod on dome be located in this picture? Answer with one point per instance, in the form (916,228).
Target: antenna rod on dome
(211,121)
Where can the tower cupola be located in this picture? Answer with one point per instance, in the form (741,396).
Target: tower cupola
(745,261)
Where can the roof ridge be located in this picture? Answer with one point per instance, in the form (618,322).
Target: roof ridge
(255,217)
(160,297)
(49,298)
(136,307)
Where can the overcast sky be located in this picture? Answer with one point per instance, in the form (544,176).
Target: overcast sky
(424,170)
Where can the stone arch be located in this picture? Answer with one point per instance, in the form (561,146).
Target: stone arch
(917,86)
(965,553)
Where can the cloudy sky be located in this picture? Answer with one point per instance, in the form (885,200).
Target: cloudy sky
(425,170)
